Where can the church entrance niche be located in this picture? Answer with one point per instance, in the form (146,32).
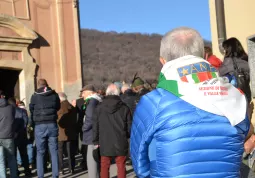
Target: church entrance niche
(9,82)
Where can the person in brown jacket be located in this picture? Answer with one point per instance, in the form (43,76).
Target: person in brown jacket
(68,135)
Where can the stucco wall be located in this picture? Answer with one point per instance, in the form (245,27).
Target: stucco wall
(57,50)
(239,16)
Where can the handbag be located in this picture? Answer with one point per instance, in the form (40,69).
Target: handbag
(241,77)
(97,155)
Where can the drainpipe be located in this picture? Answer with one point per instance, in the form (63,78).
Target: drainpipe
(221,26)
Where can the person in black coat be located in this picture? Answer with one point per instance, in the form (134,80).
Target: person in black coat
(111,130)
(128,97)
(20,122)
(44,106)
(81,148)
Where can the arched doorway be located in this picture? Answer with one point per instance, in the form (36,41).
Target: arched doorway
(17,68)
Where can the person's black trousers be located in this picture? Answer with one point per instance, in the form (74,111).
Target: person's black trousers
(84,149)
(21,144)
(71,149)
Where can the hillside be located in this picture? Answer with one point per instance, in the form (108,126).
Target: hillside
(111,56)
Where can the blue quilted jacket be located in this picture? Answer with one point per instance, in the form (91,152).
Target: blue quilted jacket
(172,138)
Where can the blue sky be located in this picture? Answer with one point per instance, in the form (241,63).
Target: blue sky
(145,16)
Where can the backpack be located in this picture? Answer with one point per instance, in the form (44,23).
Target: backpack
(241,80)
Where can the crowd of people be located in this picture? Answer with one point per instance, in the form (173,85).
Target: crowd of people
(54,128)
(194,123)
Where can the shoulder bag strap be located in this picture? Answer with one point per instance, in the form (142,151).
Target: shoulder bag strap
(235,64)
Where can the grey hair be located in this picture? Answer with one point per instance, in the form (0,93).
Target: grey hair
(113,89)
(62,96)
(181,42)
(125,87)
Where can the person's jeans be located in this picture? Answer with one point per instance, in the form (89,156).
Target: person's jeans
(2,163)
(106,163)
(46,133)
(9,152)
(30,153)
(70,146)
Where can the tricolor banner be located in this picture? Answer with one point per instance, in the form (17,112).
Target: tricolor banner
(195,81)
(197,72)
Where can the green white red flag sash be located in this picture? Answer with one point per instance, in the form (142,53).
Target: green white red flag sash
(195,81)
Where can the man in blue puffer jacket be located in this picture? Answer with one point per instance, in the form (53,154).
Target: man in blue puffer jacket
(194,124)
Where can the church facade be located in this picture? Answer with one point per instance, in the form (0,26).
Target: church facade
(39,39)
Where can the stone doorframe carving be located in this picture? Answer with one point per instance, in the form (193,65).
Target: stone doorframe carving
(21,44)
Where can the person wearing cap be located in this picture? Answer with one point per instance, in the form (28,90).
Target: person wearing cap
(92,99)
(138,88)
(44,106)
(7,146)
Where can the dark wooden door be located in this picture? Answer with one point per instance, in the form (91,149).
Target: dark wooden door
(9,82)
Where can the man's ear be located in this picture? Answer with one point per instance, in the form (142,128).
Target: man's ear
(162,60)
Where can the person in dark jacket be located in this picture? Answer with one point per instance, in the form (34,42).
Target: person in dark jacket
(20,122)
(101,92)
(43,107)
(92,99)
(68,134)
(79,106)
(235,52)
(30,137)
(138,88)
(7,116)
(128,97)
(111,130)
(83,148)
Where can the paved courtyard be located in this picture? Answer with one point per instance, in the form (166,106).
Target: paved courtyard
(79,173)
